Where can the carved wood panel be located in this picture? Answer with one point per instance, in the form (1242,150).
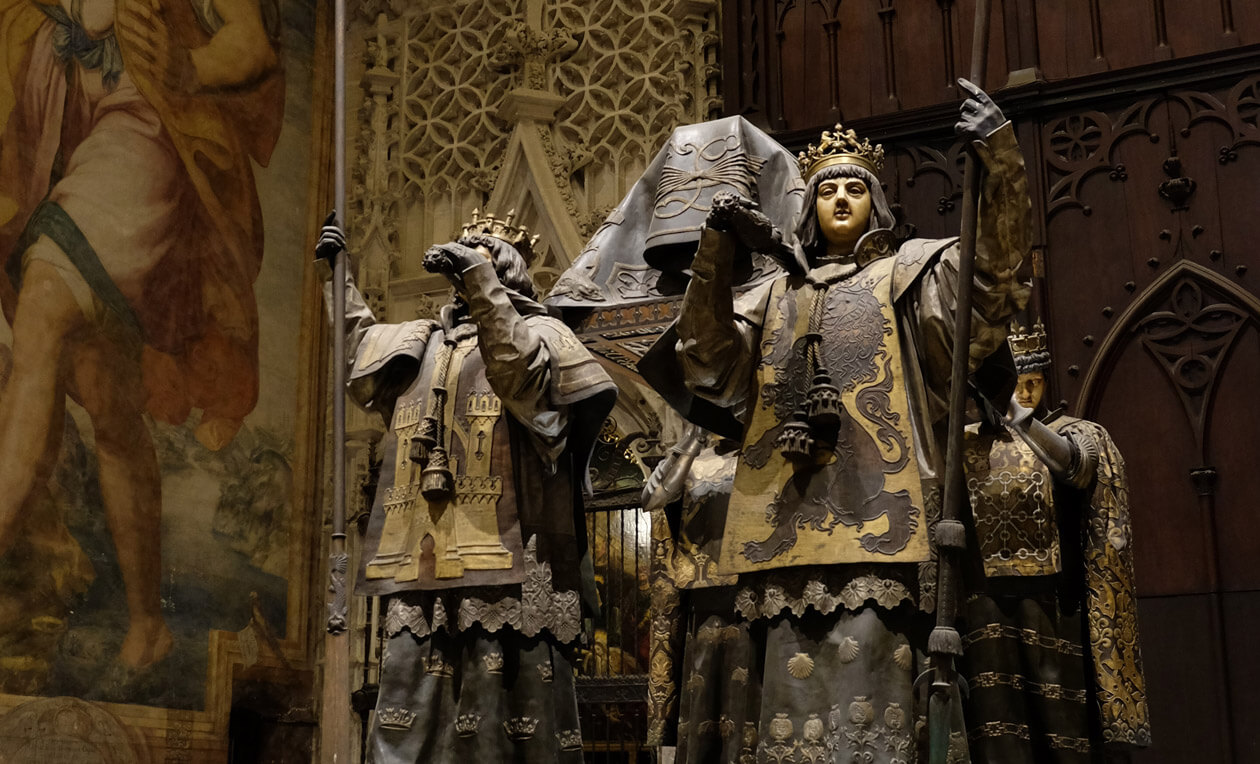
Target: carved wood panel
(804,63)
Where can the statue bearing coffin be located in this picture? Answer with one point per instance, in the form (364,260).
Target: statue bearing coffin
(477,533)
(832,378)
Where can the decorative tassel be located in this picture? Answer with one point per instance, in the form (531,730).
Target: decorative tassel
(418,451)
(795,441)
(425,440)
(436,483)
(824,404)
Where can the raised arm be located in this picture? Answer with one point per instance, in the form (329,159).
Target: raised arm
(1003,238)
(716,348)
(518,361)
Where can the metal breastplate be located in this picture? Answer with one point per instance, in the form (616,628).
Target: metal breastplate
(1012,501)
(860,501)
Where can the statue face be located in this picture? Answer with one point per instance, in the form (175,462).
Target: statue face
(844,210)
(1029,389)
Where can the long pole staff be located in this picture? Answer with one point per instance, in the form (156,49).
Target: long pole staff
(945,644)
(335,713)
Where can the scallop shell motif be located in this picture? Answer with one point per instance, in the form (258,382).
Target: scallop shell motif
(800,666)
(849,649)
(904,657)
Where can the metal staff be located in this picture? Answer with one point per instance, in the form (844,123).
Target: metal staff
(944,644)
(335,708)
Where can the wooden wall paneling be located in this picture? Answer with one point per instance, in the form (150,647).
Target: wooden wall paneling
(1180,681)
(1197,28)
(858,37)
(1242,616)
(927,181)
(1054,20)
(919,41)
(997,69)
(1143,414)
(1233,441)
(803,80)
(1019,33)
(1246,17)
(1132,31)
(743,59)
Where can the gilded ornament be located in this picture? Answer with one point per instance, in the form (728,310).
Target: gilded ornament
(749,738)
(493,662)
(840,147)
(848,649)
(436,665)
(466,724)
(903,656)
(800,666)
(569,740)
(520,728)
(395,718)
(781,727)
(813,729)
(726,726)
(740,675)
(545,671)
(895,716)
(861,712)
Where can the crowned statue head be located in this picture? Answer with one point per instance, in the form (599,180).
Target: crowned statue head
(507,245)
(1032,358)
(844,199)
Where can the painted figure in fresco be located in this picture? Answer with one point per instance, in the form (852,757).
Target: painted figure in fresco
(477,533)
(1050,629)
(834,376)
(131,235)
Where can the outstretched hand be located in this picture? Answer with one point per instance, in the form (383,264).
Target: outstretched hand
(332,240)
(979,117)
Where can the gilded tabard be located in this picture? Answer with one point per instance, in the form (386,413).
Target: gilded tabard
(474,538)
(861,501)
(1012,500)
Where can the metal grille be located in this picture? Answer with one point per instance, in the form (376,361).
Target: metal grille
(612,678)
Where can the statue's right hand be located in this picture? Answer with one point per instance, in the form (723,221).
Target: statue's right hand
(744,219)
(332,240)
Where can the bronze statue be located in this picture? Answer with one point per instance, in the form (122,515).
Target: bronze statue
(477,533)
(1050,509)
(832,379)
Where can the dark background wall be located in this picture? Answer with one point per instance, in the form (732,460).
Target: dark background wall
(1140,124)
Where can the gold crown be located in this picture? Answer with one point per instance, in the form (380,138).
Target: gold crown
(504,230)
(840,147)
(1024,342)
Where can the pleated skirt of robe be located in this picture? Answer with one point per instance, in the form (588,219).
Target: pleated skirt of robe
(475,698)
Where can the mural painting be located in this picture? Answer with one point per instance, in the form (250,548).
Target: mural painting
(154,173)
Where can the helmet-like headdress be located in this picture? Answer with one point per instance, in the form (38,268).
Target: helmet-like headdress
(1029,348)
(840,147)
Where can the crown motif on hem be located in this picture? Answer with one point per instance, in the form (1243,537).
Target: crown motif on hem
(395,718)
(840,147)
(520,727)
(503,229)
(466,724)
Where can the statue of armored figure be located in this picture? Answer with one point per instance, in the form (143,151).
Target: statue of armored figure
(1050,627)
(832,380)
(477,535)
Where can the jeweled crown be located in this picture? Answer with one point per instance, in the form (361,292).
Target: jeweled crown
(504,229)
(1024,342)
(840,147)
(1031,351)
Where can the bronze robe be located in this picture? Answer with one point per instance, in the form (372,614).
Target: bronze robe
(813,656)
(485,588)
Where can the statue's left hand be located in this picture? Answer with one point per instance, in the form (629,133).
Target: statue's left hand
(979,116)
(451,259)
